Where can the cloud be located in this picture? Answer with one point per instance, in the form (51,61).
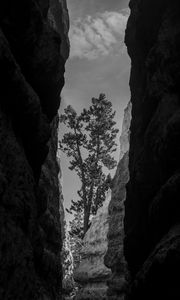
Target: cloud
(99,36)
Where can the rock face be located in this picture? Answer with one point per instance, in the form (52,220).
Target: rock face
(152,218)
(68,267)
(92,273)
(32,75)
(114,258)
(124,138)
(51,220)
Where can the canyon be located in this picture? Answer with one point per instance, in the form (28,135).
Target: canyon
(33,49)
(137,233)
(152,244)
(92,274)
(102,252)
(114,258)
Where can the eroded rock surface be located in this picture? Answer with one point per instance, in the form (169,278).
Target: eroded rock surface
(92,273)
(51,209)
(114,258)
(32,76)
(152,207)
(124,138)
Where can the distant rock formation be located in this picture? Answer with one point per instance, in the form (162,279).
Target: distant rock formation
(103,243)
(114,258)
(152,207)
(92,273)
(124,138)
(33,50)
(68,267)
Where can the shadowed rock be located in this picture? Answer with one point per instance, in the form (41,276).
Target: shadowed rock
(32,76)
(152,205)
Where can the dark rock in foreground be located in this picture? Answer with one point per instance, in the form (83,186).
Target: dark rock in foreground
(32,75)
(152,210)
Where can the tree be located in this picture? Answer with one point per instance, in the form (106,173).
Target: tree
(90,143)
(76,225)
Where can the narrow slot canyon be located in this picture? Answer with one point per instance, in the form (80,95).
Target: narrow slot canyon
(90,85)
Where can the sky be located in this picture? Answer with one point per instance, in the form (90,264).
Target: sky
(98,63)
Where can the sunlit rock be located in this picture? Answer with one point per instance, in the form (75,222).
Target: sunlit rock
(125,134)
(68,267)
(114,258)
(92,273)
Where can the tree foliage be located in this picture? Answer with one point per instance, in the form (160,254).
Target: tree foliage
(90,144)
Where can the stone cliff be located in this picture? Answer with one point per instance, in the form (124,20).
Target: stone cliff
(102,254)
(124,138)
(33,50)
(92,273)
(152,218)
(68,283)
(114,258)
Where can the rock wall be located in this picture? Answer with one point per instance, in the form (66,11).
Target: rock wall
(92,273)
(32,76)
(152,218)
(124,138)
(114,258)
(51,219)
(68,267)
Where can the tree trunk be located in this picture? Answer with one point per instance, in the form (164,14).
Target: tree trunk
(87,210)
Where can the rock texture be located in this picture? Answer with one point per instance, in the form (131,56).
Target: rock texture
(68,267)
(124,138)
(92,273)
(114,258)
(152,215)
(51,220)
(32,76)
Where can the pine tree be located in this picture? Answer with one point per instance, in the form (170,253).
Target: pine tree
(90,143)
(76,225)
